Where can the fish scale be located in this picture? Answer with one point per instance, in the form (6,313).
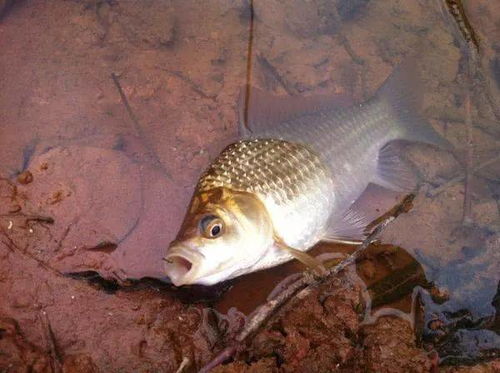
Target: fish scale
(358,135)
(291,180)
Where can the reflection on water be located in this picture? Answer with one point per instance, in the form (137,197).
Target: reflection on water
(181,64)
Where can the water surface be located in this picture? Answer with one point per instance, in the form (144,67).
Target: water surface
(120,178)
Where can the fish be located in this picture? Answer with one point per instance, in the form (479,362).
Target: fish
(292,180)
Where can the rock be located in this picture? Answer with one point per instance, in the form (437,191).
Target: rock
(389,346)
(25,177)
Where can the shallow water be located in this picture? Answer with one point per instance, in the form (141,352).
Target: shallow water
(117,182)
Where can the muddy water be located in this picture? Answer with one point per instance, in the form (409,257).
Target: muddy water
(109,111)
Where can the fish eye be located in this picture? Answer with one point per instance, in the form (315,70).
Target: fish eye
(211,226)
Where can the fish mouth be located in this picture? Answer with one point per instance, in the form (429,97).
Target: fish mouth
(181,265)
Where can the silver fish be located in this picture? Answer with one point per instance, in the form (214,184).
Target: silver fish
(291,183)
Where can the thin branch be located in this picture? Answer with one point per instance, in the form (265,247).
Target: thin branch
(50,343)
(455,10)
(271,69)
(303,285)
(184,364)
(460,178)
(195,87)
(251,31)
(466,216)
(138,127)
(37,218)
(11,245)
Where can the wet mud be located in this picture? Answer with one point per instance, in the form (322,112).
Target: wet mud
(110,110)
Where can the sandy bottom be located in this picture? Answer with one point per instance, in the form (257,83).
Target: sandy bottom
(90,196)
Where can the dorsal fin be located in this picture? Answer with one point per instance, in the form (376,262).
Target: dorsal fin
(263,110)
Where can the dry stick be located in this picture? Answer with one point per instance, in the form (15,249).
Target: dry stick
(269,67)
(488,91)
(466,216)
(184,364)
(460,178)
(195,87)
(147,144)
(451,115)
(50,342)
(305,282)
(14,248)
(251,32)
(138,127)
(470,45)
(37,218)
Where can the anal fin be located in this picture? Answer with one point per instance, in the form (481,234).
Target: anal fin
(348,227)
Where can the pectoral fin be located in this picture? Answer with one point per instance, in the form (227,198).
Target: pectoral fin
(303,257)
(341,240)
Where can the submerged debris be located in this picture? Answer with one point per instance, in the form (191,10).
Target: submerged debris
(299,289)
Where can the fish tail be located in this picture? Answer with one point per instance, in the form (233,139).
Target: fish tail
(402,91)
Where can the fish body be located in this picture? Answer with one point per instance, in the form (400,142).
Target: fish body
(290,184)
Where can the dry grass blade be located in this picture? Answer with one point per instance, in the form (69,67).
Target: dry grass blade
(460,178)
(466,217)
(138,126)
(50,342)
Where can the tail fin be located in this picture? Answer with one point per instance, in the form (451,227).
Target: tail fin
(402,91)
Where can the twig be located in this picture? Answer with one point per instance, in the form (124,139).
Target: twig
(14,248)
(195,87)
(460,178)
(466,216)
(251,32)
(184,364)
(488,92)
(456,11)
(125,103)
(450,115)
(470,45)
(299,288)
(50,342)
(37,218)
(269,67)
(138,127)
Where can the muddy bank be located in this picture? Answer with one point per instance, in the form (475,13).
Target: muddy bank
(325,332)
(89,190)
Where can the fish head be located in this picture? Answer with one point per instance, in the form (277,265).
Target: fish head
(225,232)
